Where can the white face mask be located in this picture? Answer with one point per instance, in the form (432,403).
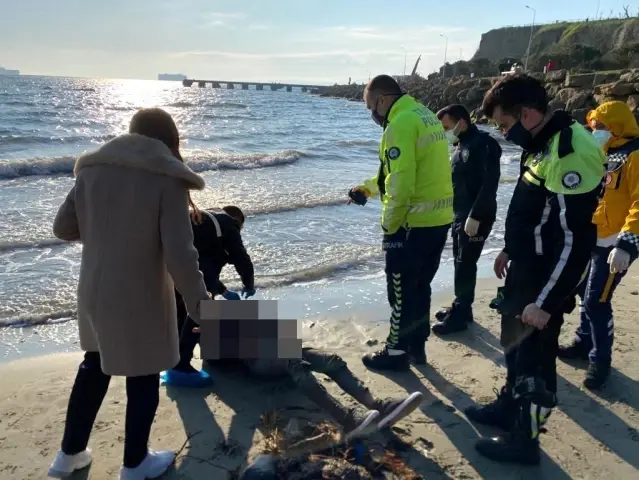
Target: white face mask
(602,136)
(451,136)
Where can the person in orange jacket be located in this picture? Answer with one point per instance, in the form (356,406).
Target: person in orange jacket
(617,220)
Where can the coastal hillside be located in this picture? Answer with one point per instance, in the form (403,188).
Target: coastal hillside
(603,40)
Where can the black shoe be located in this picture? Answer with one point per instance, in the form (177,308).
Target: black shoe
(521,444)
(453,323)
(417,355)
(500,413)
(510,448)
(381,360)
(574,351)
(596,376)
(441,315)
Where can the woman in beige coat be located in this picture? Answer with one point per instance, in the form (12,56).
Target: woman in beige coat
(130,210)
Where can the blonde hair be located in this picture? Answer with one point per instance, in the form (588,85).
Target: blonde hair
(158,124)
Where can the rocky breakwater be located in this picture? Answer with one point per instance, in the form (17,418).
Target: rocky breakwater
(580,93)
(576,93)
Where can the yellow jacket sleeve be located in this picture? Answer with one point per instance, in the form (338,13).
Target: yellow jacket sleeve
(371,186)
(628,238)
(400,143)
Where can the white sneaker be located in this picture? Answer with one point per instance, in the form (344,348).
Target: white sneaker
(363,425)
(154,465)
(64,465)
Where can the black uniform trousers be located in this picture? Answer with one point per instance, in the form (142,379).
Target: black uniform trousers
(466,252)
(412,260)
(529,352)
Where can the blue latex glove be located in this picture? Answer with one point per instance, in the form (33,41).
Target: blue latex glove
(248,292)
(231,295)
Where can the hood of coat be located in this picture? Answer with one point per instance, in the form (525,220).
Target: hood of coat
(138,151)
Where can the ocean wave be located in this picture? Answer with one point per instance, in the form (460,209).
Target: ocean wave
(29,320)
(200,160)
(297,206)
(226,105)
(37,166)
(18,103)
(205,160)
(180,104)
(121,108)
(230,117)
(6,247)
(34,139)
(356,143)
(311,274)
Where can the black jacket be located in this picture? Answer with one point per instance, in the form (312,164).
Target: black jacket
(475,168)
(218,247)
(550,234)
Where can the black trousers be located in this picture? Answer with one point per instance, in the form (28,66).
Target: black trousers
(188,338)
(466,251)
(89,390)
(529,352)
(412,260)
(327,363)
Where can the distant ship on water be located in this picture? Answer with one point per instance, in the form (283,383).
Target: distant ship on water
(175,77)
(8,73)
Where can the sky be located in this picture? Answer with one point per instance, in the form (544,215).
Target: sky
(302,41)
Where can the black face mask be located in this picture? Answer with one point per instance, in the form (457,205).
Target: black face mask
(519,135)
(377,118)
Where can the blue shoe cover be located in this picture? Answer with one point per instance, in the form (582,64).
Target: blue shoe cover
(176,378)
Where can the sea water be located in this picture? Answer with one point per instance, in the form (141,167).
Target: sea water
(286,158)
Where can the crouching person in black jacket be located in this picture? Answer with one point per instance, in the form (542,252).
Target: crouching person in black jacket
(218,240)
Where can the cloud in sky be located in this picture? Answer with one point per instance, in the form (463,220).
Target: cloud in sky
(249,41)
(217,19)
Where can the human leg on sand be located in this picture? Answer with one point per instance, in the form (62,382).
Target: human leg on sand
(88,392)
(353,420)
(333,366)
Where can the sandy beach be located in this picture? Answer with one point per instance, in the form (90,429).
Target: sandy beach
(591,436)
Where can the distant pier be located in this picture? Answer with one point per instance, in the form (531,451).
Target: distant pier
(229,85)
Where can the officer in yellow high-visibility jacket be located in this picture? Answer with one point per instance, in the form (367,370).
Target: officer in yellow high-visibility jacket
(415,186)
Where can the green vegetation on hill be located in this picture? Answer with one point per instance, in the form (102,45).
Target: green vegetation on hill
(588,45)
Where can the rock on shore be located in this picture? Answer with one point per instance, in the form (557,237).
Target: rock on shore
(576,93)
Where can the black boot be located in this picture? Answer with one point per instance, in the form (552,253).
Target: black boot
(521,445)
(441,315)
(596,375)
(500,413)
(457,321)
(574,351)
(382,360)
